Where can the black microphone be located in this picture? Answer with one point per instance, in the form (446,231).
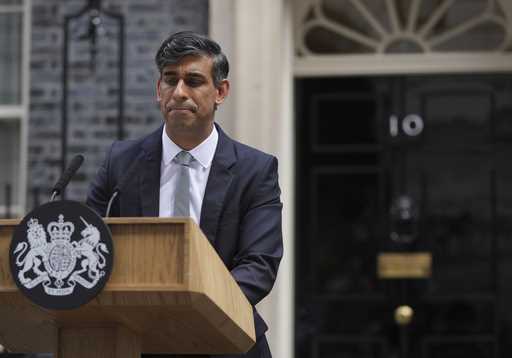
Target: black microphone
(76,162)
(122,183)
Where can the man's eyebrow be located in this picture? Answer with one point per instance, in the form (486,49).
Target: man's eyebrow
(188,74)
(169,72)
(195,74)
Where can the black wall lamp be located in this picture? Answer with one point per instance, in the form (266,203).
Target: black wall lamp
(97,22)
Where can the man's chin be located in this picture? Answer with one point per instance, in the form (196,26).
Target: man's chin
(184,121)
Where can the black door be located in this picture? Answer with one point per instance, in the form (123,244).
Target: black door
(372,151)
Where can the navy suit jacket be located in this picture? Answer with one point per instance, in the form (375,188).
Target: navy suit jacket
(241,210)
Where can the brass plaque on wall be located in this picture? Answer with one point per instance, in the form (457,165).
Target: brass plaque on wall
(396,265)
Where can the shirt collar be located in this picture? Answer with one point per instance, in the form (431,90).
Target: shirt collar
(203,153)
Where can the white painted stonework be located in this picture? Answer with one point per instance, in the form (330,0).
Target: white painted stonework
(256,36)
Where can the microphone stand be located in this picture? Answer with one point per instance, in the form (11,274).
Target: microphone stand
(116,193)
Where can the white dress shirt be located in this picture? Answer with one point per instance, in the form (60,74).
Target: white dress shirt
(199,171)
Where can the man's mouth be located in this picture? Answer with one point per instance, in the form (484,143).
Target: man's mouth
(181,108)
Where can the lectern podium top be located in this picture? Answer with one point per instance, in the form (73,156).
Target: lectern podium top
(168,286)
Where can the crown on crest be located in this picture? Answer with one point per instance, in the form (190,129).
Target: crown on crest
(61,230)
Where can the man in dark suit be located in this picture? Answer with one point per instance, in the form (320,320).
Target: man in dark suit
(232,190)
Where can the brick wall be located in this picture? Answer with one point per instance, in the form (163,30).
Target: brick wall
(92,94)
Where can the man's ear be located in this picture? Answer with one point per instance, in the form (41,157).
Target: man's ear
(222,91)
(158,97)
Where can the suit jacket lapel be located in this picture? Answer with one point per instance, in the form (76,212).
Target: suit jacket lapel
(150,176)
(219,181)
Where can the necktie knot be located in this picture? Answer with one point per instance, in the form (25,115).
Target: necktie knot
(184,158)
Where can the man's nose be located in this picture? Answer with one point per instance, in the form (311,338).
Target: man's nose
(180,91)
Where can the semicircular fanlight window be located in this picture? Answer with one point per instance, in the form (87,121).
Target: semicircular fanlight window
(404,26)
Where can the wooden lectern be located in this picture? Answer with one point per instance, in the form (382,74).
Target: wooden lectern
(169,292)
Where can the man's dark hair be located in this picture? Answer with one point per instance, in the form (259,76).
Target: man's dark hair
(187,43)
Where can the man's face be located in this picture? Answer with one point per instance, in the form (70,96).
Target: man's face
(188,96)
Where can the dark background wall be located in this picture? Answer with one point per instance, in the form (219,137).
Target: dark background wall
(92,95)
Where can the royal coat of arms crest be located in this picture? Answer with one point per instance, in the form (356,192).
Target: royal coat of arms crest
(59,264)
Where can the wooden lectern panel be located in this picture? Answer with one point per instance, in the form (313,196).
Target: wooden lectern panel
(168,286)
